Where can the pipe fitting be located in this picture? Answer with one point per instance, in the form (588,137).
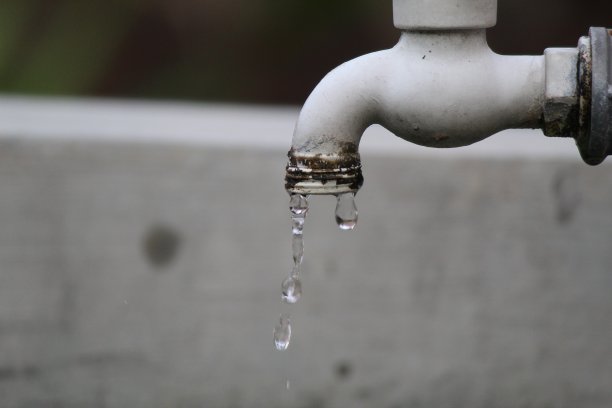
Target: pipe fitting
(444,14)
(578,94)
(594,136)
(561,104)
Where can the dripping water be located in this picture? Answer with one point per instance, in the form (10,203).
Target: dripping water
(346,211)
(291,287)
(282,332)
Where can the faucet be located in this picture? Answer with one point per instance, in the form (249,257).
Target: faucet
(442,86)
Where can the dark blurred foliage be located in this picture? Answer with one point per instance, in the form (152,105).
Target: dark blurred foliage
(272,51)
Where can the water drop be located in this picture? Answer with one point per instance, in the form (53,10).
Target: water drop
(298,204)
(297,225)
(282,333)
(291,289)
(291,286)
(346,211)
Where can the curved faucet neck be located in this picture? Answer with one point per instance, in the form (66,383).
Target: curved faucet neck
(434,88)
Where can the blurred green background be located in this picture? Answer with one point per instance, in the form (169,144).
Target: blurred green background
(265,51)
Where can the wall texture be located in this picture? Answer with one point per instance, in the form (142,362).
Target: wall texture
(149,276)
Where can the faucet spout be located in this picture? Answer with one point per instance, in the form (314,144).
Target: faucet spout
(324,157)
(434,88)
(442,86)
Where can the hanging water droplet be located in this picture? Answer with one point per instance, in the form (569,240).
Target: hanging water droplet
(298,204)
(282,333)
(346,211)
(291,289)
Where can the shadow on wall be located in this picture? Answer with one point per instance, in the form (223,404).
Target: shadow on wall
(245,50)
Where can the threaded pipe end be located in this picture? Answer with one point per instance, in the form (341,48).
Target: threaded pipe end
(322,173)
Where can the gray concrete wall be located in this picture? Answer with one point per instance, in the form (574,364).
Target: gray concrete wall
(148,275)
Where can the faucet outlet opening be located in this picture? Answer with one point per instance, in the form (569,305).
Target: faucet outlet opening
(323,174)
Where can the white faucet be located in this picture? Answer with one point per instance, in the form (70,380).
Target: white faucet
(440,86)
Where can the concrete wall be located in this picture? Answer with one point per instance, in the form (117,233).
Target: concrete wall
(148,275)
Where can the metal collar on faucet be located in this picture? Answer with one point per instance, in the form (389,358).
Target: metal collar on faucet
(444,14)
(594,134)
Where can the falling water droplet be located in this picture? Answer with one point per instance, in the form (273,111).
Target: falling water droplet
(298,204)
(291,286)
(291,289)
(282,333)
(346,211)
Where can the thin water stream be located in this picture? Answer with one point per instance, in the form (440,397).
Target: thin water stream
(291,288)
